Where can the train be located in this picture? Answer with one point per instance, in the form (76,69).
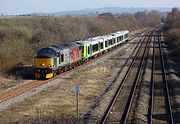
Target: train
(56,59)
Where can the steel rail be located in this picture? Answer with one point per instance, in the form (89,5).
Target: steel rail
(137,80)
(165,80)
(108,110)
(150,111)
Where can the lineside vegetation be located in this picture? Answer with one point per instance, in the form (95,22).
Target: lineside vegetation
(173,26)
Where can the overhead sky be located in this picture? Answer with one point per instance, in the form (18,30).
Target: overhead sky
(32,6)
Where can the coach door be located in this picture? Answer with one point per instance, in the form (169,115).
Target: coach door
(99,46)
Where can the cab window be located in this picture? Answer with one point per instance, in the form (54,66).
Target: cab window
(62,57)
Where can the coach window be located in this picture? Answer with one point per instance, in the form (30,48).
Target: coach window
(126,35)
(82,49)
(118,39)
(114,40)
(106,44)
(101,45)
(95,47)
(110,42)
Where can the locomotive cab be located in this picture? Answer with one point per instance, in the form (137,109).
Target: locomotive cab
(45,63)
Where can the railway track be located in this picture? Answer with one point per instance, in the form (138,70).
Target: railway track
(22,88)
(160,104)
(118,109)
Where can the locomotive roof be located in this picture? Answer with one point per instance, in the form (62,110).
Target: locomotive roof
(69,45)
(54,48)
(61,47)
(47,52)
(50,47)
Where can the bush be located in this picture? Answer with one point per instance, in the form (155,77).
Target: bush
(11,53)
(173,38)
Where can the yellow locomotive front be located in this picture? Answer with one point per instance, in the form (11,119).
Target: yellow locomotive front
(43,68)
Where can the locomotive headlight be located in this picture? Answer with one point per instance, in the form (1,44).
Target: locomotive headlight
(42,64)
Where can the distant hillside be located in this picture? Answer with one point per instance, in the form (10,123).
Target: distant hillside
(113,10)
